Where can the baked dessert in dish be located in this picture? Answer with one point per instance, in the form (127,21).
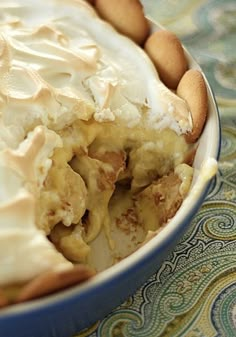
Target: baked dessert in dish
(95,146)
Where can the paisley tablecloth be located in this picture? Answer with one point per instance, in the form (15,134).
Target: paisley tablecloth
(193,294)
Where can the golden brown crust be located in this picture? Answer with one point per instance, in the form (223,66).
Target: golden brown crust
(91,1)
(126,16)
(3,299)
(192,89)
(165,50)
(53,281)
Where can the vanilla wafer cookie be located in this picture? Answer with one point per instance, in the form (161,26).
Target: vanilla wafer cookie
(126,16)
(192,89)
(165,50)
(3,299)
(53,281)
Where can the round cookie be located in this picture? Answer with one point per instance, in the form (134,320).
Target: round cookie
(53,281)
(192,89)
(126,16)
(165,50)
(3,299)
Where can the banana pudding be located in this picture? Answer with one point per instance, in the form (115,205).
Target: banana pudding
(93,148)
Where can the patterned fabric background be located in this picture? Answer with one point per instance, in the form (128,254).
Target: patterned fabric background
(193,294)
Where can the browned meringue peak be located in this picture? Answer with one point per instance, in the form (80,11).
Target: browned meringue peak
(36,101)
(31,159)
(73,51)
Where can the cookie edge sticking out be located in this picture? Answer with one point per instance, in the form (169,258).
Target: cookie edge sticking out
(53,281)
(166,52)
(192,88)
(126,16)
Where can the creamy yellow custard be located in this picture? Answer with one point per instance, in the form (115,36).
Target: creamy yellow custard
(87,129)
